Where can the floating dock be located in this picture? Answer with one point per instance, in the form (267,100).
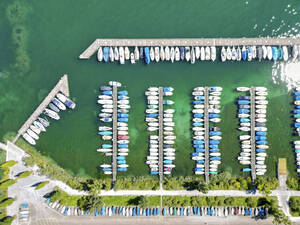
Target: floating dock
(252,133)
(115,134)
(206,136)
(160,135)
(62,86)
(186,42)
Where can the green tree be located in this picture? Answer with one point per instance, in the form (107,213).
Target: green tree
(9,163)
(90,202)
(24,175)
(251,202)
(7,183)
(6,202)
(280,218)
(143,201)
(96,186)
(202,187)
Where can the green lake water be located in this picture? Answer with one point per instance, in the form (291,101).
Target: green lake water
(58,31)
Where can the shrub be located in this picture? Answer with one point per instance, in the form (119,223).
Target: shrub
(6,202)
(294,204)
(7,220)
(24,174)
(5,184)
(41,185)
(9,163)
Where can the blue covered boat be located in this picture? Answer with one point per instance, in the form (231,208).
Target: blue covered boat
(122,145)
(198,115)
(246,169)
(107,92)
(261,142)
(106,54)
(214,142)
(260,150)
(147,55)
(199,150)
(123,120)
(244,110)
(261,133)
(152,115)
(182,53)
(199,97)
(197,142)
(105,132)
(215,133)
(243,102)
(244,53)
(274,53)
(198,102)
(260,138)
(122,92)
(106,146)
(213,115)
(244,120)
(215,158)
(122,115)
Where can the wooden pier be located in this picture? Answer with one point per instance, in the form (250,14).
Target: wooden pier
(160,135)
(62,86)
(115,134)
(252,133)
(186,42)
(206,135)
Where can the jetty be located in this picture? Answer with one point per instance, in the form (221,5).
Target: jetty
(160,135)
(115,134)
(206,136)
(61,86)
(252,133)
(186,42)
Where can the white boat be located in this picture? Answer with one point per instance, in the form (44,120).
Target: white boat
(197,158)
(123,102)
(262,146)
(244,128)
(177,54)
(215,93)
(123,141)
(223,54)
(215,120)
(39,126)
(243,115)
(260,97)
(261,120)
(51,114)
(261,93)
(197,93)
(168,115)
(162,54)
(105,97)
(214,102)
(265,52)
(32,134)
(103,150)
(215,162)
(148,119)
(168,128)
(100,54)
(127,53)
(168,133)
(156,54)
(151,124)
(169,165)
(193,57)
(151,110)
(172,54)
(213,53)
(228,53)
(149,93)
(35,129)
(121,55)
(215,137)
(261,106)
(261,154)
(198,106)
(122,128)
(111,54)
(245,162)
(245,137)
(197,52)
(151,54)
(105,165)
(199,89)
(215,154)
(239,54)
(260,89)
(104,102)
(261,129)
(132,59)
(104,128)
(59,104)
(152,102)
(198,120)
(152,97)
(198,128)
(169,137)
(167,53)
(116,53)
(136,53)
(122,124)
(106,119)
(107,110)
(169,142)
(124,106)
(262,102)
(254,52)
(202,54)
(169,111)
(122,132)
(243,89)
(207,53)
(285,53)
(198,111)
(152,128)
(269,53)
(187,53)
(123,149)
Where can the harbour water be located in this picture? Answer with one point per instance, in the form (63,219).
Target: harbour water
(57,32)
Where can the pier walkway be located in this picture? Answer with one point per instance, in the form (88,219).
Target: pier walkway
(252,133)
(186,42)
(206,135)
(62,86)
(160,136)
(115,134)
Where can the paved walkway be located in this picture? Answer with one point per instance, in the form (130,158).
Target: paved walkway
(24,191)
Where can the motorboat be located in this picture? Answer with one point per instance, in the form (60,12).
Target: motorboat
(152,57)
(197,52)
(228,53)
(244,128)
(193,57)
(104,128)
(59,104)
(104,150)
(259,53)
(187,54)
(127,53)
(238,54)
(53,107)
(121,55)
(156,54)
(269,52)
(35,129)
(169,111)
(40,126)
(105,102)
(106,119)
(177,54)
(149,93)
(152,128)
(124,106)
(261,93)
(223,54)
(207,53)
(213,53)
(116,54)
(202,53)
(32,134)
(106,54)
(106,110)
(249,53)
(275,53)
(243,89)
(182,53)
(172,54)
(68,102)
(167,53)
(111,54)
(264,52)
(295,52)
(100,54)
(51,114)
(254,52)
(132,59)
(136,53)
(162,54)
(234,54)
(244,53)
(260,97)
(285,53)
(29,139)
(105,97)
